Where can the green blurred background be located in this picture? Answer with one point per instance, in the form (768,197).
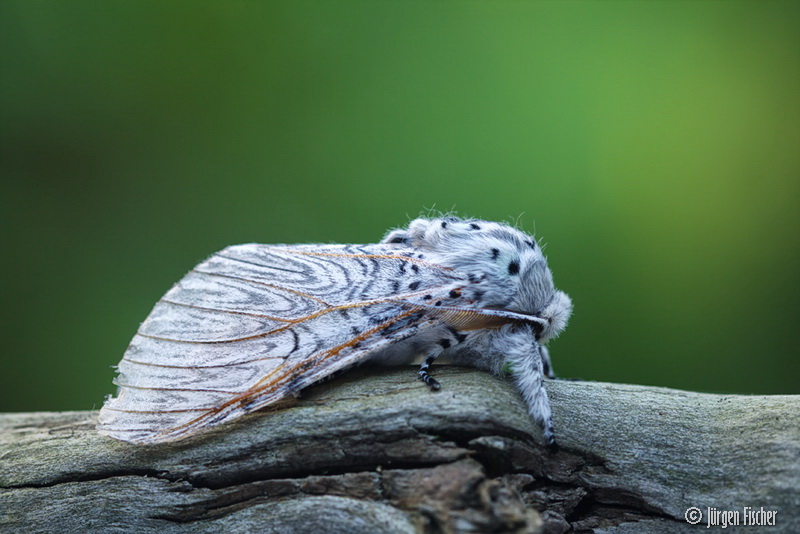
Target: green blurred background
(653,146)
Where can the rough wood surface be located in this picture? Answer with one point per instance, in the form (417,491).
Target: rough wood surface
(375,451)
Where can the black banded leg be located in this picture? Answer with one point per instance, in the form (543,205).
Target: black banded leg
(443,344)
(423,372)
(546,365)
(549,434)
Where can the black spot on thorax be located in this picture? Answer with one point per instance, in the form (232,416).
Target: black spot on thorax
(513,267)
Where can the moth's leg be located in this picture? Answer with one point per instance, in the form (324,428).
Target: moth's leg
(546,365)
(453,338)
(524,354)
(423,371)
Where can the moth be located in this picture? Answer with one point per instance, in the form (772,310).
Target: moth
(255,323)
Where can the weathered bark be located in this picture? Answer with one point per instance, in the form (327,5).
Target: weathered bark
(375,451)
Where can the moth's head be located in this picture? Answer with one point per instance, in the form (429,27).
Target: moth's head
(555,316)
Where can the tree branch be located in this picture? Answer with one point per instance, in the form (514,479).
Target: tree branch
(376,451)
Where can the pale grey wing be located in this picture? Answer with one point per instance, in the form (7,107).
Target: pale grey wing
(255,323)
(326,275)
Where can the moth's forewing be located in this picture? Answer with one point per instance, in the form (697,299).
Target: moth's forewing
(254,323)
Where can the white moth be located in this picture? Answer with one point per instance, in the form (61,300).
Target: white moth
(254,324)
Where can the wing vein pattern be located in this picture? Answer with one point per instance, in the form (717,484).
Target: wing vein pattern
(255,323)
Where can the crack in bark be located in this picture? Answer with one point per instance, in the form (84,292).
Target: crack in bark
(72,478)
(367,482)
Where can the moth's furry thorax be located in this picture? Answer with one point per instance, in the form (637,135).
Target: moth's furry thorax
(507,268)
